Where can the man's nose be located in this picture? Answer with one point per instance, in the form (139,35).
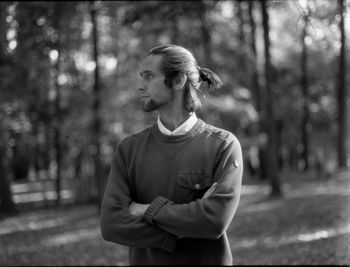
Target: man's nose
(140,86)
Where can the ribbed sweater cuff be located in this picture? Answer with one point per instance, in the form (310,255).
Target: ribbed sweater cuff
(169,243)
(153,208)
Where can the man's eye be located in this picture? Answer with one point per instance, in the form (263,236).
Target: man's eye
(149,76)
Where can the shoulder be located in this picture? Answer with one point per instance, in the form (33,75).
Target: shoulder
(227,143)
(135,138)
(220,135)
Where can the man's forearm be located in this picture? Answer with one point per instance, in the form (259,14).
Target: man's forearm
(138,209)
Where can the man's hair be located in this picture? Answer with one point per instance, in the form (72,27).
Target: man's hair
(176,60)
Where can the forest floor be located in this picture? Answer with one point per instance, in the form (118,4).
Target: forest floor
(310,225)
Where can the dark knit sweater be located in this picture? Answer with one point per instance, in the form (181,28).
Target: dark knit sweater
(172,173)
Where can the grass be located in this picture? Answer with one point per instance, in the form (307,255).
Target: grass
(310,225)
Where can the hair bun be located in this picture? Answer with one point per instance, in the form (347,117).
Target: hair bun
(211,78)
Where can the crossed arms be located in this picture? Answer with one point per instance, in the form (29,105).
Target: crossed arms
(138,209)
(160,223)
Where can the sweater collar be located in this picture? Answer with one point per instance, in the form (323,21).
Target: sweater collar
(182,129)
(177,138)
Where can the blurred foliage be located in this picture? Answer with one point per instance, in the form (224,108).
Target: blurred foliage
(217,32)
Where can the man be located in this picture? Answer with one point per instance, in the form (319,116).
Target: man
(174,187)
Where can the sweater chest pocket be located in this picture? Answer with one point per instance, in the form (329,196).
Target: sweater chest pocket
(193,185)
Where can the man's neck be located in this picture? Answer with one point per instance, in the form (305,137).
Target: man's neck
(172,119)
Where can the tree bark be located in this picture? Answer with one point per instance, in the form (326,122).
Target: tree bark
(3,29)
(269,121)
(241,36)
(96,108)
(206,39)
(255,77)
(7,205)
(57,108)
(341,93)
(174,35)
(304,85)
(241,21)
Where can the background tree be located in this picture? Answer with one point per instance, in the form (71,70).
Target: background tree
(255,78)
(56,105)
(268,113)
(96,128)
(342,92)
(7,206)
(304,85)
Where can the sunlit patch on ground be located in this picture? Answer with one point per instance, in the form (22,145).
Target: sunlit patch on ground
(260,207)
(320,190)
(43,219)
(83,235)
(39,196)
(72,237)
(286,240)
(33,226)
(254,189)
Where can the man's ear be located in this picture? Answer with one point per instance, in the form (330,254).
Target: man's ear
(179,81)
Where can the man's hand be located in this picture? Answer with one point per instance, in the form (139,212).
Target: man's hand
(210,190)
(138,209)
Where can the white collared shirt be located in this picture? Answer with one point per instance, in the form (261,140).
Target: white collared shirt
(182,129)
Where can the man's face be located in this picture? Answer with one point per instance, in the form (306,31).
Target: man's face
(154,93)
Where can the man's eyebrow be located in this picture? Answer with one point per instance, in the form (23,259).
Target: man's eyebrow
(147,71)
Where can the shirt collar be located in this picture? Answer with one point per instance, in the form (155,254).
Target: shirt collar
(182,129)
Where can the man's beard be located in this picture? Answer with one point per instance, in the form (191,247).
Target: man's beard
(152,104)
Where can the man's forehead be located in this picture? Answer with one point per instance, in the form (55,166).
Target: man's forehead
(151,63)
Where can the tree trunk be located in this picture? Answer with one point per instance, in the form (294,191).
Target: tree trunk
(342,94)
(3,29)
(255,79)
(304,85)
(241,36)
(174,28)
(206,39)
(269,121)
(175,31)
(96,108)
(57,108)
(241,21)
(7,206)
(257,96)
